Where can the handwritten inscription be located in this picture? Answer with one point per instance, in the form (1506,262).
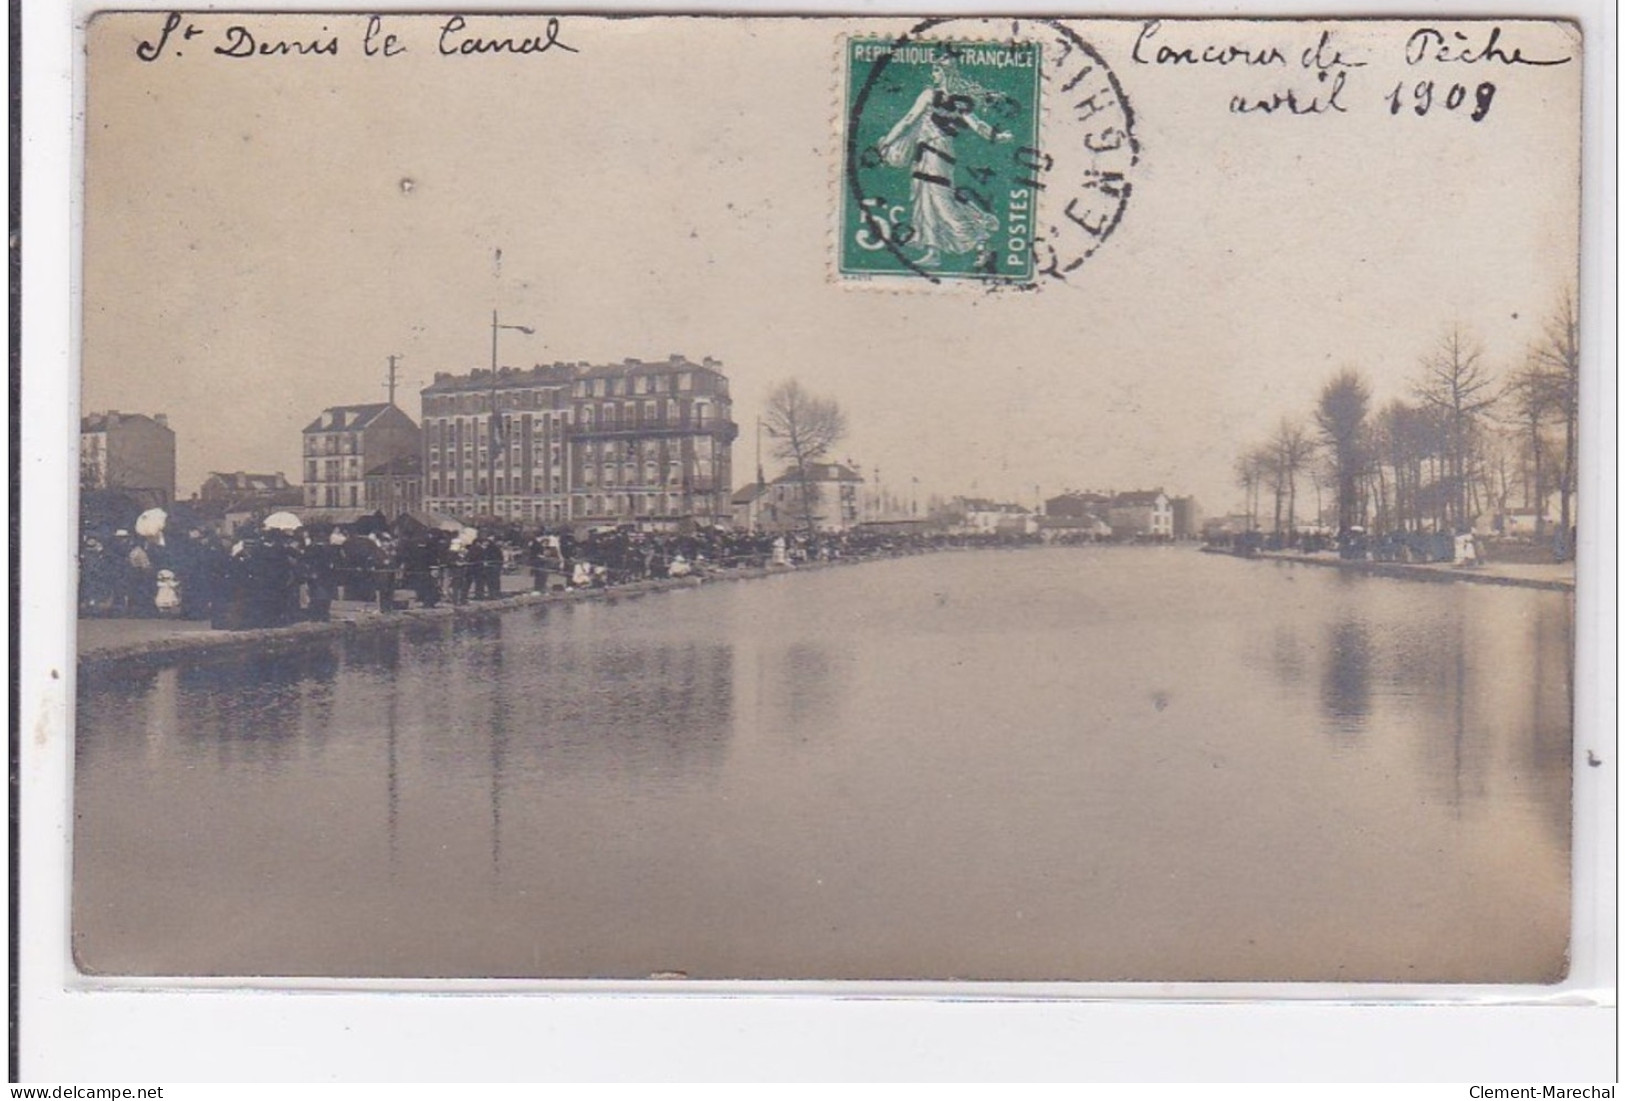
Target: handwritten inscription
(1431,44)
(1199,53)
(1318,76)
(454,37)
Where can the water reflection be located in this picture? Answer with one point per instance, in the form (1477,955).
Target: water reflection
(1345,686)
(259,711)
(806,693)
(1038,779)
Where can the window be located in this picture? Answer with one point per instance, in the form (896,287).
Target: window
(649,412)
(685,381)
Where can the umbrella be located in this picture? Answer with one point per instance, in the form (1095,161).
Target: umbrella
(282,521)
(150,524)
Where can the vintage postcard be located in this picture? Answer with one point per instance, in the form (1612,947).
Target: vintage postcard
(989,500)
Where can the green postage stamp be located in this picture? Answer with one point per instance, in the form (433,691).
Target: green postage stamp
(942,159)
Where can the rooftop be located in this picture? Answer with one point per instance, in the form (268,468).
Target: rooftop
(101,422)
(562,374)
(1138,497)
(821,472)
(241,480)
(346,418)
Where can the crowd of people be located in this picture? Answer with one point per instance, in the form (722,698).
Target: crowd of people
(266,576)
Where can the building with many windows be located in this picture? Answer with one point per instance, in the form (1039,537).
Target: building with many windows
(578,443)
(395,487)
(1142,514)
(131,452)
(346,442)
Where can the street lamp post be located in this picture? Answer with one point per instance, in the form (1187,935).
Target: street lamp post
(491,431)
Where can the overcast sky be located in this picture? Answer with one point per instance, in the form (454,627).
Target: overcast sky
(261,234)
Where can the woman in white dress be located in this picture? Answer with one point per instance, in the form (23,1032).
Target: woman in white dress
(923,141)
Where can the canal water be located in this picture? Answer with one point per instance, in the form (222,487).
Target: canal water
(1070,763)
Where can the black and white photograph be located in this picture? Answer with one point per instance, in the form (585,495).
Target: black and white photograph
(999,502)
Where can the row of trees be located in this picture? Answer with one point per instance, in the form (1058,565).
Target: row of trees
(1461,445)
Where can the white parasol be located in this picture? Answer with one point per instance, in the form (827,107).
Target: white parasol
(282,521)
(150,524)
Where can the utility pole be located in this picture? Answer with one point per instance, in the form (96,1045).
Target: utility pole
(392,371)
(493,433)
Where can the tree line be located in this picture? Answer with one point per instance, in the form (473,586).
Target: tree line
(1463,443)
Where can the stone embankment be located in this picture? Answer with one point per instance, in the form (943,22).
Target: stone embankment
(160,641)
(1556,577)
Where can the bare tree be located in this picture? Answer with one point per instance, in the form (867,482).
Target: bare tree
(1251,469)
(1558,356)
(804,428)
(1536,399)
(1292,449)
(1455,384)
(1341,417)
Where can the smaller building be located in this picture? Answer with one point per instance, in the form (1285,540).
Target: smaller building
(347,441)
(395,487)
(130,452)
(1072,529)
(1142,514)
(830,495)
(980,516)
(239,490)
(1075,505)
(1187,517)
(749,503)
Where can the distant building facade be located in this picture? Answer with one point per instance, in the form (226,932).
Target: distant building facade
(345,442)
(1075,505)
(980,516)
(578,443)
(1187,517)
(239,490)
(128,451)
(831,496)
(1142,514)
(395,487)
(750,506)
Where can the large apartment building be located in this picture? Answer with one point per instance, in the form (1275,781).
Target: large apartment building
(579,443)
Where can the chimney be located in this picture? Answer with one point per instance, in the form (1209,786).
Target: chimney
(162,419)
